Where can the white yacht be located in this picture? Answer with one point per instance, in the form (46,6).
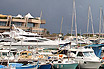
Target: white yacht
(22,38)
(86,58)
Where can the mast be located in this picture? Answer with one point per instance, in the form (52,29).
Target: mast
(74,16)
(60,35)
(10,43)
(103,26)
(40,22)
(39,29)
(61,25)
(88,21)
(90,15)
(100,23)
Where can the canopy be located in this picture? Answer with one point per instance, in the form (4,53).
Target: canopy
(19,16)
(95,45)
(97,49)
(29,16)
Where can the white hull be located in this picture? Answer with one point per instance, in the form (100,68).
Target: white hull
(90,65)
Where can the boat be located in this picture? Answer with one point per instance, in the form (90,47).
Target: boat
(44,66)
(64,63)
(26,56)
(86,58)
(99,52)
(3,67)
(21,38)
(4,55)
(22,66)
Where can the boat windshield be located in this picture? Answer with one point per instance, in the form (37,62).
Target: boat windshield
(17,54)
(29,54)
(24,53)
(4,53)
(89,54)
(86,54)
(92,54)
(6,35)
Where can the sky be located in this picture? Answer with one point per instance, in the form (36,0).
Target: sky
(53,10)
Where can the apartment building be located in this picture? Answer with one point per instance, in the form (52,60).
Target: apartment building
(27,23)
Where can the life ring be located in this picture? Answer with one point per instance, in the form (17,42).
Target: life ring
(40,56)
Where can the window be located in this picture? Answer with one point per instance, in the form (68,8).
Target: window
(73,52)
(87,54)
(92,54)
(4,53)
(18,54)
(80,54)
(29,54)
(24,53)
(42,39)
(32,41)
(0,54)
(5,35)
(2,23)
(31,25)
(28,35)
(17,23)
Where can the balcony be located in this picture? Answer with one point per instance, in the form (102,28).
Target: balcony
(19,20)
(37,21)
(4,27)
(43,21)
(5,20)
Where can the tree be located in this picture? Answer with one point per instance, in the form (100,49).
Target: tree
(78,34)
(48,32)
(68,34)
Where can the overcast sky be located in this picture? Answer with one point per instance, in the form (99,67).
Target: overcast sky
(53,10)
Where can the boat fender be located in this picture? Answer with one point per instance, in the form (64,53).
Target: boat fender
(60,56)
(61,66)
(40,56)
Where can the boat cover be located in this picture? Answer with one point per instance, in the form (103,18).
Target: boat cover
(97,49)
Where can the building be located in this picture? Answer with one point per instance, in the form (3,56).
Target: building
(27,23)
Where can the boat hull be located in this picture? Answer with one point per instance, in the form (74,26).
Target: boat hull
(45,66)
(27,67)
(65,66)
(21,66)
(90,65)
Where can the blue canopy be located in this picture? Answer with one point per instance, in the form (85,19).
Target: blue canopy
(95,45)
(97,49)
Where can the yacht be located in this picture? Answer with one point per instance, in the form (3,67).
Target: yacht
(86,58)
(22,38)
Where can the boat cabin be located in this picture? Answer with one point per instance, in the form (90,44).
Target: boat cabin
(81,53)
(26,54)
(6,53)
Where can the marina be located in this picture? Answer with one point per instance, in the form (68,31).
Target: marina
(26,44)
